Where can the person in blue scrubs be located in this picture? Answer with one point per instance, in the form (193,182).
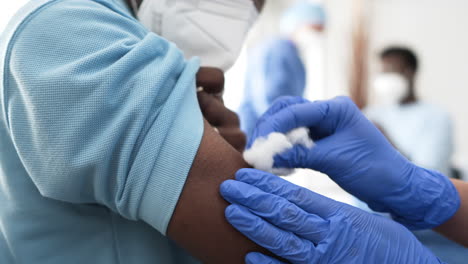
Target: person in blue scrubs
(275,68)
(304,227)
(100,128)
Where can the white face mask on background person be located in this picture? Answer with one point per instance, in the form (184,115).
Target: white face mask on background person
(390,88)
(213,30)
(308,39)
(310,44)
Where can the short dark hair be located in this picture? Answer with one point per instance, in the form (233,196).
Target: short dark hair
(407,55)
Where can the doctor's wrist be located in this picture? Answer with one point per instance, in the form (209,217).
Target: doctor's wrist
(430,200)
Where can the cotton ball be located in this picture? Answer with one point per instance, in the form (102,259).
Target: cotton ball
(261,154)
(300,136)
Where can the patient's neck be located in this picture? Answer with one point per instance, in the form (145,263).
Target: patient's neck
(130,5)
(411,98)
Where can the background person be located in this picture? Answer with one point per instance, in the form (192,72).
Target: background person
(421,131)
(275,68)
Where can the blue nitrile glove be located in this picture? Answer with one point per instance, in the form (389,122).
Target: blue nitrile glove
(304,227)
(353,152)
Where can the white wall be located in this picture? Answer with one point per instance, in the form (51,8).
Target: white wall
(437,31)
(8,9)
(338,47)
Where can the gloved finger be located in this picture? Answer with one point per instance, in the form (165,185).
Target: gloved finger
(281,243)
(300,115)
(259,258)
(299,157)
(276,210)
(321,117)
(277,105)
(294,116)
(341,114)
(308,200)
(281,103)
(323,157)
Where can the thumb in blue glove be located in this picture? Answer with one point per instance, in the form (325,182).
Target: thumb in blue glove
(304,227)
(353,152)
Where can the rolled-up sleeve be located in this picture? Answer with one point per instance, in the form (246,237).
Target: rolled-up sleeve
(101,111)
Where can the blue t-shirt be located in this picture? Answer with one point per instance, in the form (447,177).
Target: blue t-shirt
(99,126)
(421,131)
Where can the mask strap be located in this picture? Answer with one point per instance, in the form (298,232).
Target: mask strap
(134,6)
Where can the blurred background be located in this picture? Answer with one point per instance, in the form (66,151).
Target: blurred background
(346,58)
(432,29)
(7,9)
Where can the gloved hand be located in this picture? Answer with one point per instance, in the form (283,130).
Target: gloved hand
(355,154)
(304,227)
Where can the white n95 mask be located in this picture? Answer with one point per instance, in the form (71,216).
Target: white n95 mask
(308,39)
(390,88)
(213,30)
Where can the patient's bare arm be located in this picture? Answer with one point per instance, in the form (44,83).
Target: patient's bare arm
(198,223)
(457,227)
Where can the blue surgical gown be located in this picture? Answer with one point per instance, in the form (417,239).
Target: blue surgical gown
(99,126)
(275,69)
